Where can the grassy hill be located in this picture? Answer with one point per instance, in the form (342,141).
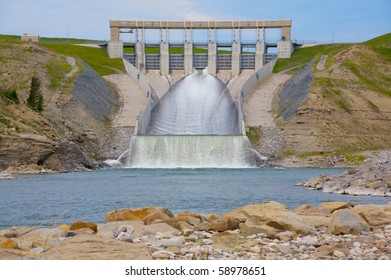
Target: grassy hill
(97,58)
(348,106)
(302,56)
(69,126)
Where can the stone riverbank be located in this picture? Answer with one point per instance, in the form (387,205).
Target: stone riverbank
(371,178)
(332,230)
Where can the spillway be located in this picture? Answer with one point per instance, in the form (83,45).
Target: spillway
(194,125)
(198,104)
(189,151)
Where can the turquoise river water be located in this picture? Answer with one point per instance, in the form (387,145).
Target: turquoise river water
(53,199)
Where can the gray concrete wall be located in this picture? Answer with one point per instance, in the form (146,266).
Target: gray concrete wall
(284,49)
(236,58)
(188,63)
(250,84)
(259,55)
(140,57)
(145,117)
(115,49)
(212,58)
(164,59)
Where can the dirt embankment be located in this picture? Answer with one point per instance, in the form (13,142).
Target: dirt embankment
(78,106)
(338,104)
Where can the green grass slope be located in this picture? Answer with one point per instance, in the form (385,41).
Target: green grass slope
(348,107)
(302,56)
(97,58)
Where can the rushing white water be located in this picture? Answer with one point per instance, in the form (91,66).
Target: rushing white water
(189,151)
(199,104)
(195,125)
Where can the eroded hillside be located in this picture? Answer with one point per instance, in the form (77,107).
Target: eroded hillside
(347,106)
(65,135)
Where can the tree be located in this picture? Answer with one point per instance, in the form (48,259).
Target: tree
(35,99)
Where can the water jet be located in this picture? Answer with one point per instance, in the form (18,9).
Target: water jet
(196,124)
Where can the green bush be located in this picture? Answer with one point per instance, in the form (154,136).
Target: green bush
(9,95)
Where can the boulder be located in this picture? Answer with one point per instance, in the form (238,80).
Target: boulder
(12,254)
(6,243)
(155,228)
(187,214)
(124,229)
(334,206)
(317,220)
(95,247)
(15,231)
(185,226)
(190,219)
(202,226)
(374,184)
(135,214)
(158,215)
(286,236)
(124,236)
(163,255)
(81,225)
(347,221)
(309,209)
(173,222)
(224,224)
(373,214)
(44,233)
(270,218)
(173,242)
(70,233)
(109,230)
(251,227)
(37,250)
(325,251)
(64,228)
(84,231)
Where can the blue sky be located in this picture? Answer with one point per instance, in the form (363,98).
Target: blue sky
(321,20)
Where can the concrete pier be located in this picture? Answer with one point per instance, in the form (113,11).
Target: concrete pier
(237,61)
(188,62)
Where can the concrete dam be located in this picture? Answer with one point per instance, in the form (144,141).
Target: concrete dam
(193,117)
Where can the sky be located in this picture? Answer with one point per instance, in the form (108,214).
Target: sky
(323,21)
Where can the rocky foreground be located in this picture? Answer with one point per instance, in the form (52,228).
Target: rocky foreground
(372,178)
(332,230)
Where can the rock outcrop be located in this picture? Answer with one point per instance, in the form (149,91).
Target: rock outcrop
(78,106)
(269,230)
(372,178)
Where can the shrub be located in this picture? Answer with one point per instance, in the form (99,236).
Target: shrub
(9,95)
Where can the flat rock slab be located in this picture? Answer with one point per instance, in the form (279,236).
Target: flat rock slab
(92,247)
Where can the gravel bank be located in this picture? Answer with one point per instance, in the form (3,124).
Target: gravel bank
(333,230)
(372,178)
